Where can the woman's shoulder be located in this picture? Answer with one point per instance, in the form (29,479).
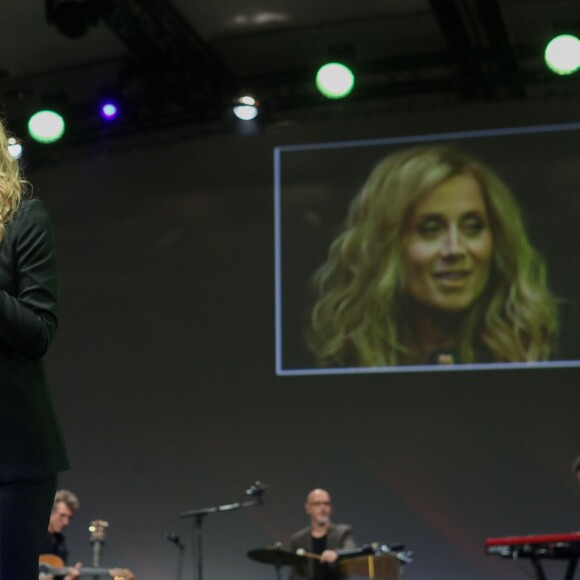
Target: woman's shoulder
(30,222)
(31,210)
(31,205)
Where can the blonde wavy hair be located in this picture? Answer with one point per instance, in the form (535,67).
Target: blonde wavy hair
(362,316)
(12,186)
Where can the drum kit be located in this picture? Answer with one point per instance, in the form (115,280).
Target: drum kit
(371,561)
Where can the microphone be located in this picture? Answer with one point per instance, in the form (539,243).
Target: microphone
(174,539)
(257,489)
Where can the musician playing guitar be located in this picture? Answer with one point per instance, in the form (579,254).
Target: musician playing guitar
(52,567)
(64,508)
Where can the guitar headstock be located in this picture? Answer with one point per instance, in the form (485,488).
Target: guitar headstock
(98,530)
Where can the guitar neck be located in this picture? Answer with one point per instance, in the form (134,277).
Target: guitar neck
(83,571)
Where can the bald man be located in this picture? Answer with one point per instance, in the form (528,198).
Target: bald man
(321,537)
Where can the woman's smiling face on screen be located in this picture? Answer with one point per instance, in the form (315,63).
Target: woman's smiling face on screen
(448,246)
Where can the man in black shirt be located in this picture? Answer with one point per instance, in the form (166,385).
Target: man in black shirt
(321,537)
(64,508)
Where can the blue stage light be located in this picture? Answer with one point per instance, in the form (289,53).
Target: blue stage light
(109,110)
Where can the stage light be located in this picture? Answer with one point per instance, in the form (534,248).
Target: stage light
(562,54)
(334,80)
(46,126)
(109,110)
(246,108)
(15,147)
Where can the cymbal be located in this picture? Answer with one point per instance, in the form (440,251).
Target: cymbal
(276,556)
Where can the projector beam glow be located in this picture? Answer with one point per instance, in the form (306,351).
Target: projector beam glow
(334,80)
(46,126)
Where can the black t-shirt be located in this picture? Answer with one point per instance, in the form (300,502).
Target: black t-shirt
(321,571)
(55,544)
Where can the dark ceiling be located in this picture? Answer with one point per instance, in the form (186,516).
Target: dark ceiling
(175,62)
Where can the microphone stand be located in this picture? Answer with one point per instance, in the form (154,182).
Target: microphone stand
(199,514)
(174,539)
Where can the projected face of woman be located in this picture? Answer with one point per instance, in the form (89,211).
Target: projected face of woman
(448,246)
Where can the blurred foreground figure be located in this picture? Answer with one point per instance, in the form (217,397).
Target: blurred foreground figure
(32,451)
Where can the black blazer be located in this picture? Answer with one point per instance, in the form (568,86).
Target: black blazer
(31,443)
(339,536)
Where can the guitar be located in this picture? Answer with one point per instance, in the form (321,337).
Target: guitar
(50,566)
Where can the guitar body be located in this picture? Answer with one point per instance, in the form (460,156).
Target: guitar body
(50,566)
(47,564)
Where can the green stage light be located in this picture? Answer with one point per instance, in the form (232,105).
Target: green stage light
(334,80)
(46,126)
(562,54)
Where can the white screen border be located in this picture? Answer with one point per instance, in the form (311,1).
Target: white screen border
(279,151)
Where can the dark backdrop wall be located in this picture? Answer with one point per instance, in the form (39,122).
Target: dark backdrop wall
(163,372)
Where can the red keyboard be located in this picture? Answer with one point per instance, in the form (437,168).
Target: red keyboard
(544,545)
